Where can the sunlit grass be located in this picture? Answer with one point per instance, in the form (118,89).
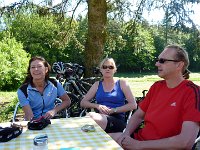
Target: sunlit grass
(137,83)
(140,82)
(7,96)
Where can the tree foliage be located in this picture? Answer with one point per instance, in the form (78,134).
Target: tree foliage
(130,49)
(48,31)
(41,35)
(13,64)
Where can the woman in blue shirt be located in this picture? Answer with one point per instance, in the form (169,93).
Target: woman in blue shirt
(40,91)
(110,95)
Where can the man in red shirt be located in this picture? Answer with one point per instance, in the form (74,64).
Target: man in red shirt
(170,110)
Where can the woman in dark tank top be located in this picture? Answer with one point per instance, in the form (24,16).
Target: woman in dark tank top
(110,95)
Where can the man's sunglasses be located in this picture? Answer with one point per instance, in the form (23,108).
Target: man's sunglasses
(162,60)
(109,67)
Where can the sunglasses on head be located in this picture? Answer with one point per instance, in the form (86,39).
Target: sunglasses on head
(109,67)
(162,60)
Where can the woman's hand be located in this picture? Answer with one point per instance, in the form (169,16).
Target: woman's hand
(50,114)
(28,117)
(104,109)
(28,112)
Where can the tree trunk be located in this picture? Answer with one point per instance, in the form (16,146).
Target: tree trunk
(96,37)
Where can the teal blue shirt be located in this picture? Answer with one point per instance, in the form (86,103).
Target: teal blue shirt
(41,103)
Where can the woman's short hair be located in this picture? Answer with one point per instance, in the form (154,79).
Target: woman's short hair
(182,55)
(108,59)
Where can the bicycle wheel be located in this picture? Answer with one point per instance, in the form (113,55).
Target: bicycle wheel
(74,110)
(68,87)
(62,113)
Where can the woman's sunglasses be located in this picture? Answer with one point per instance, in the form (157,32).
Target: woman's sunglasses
(162,60)
(109,67)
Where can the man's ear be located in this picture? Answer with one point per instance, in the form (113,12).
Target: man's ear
(180,65)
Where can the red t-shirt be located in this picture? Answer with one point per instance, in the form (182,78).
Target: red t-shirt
(166,109)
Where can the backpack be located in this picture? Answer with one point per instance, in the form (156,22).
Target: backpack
(8,133)
(24,87)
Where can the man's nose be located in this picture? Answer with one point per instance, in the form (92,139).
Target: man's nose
(157,64)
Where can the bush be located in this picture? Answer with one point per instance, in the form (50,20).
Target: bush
(13,64)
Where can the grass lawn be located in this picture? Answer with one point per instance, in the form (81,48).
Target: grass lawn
(137,82)
(140,82)
(7,96)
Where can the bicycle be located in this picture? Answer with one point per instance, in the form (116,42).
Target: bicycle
(71,77)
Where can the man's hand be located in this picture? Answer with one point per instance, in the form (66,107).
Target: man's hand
(129,143)
(121,138)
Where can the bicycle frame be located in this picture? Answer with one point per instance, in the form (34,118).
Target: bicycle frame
(76,86)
